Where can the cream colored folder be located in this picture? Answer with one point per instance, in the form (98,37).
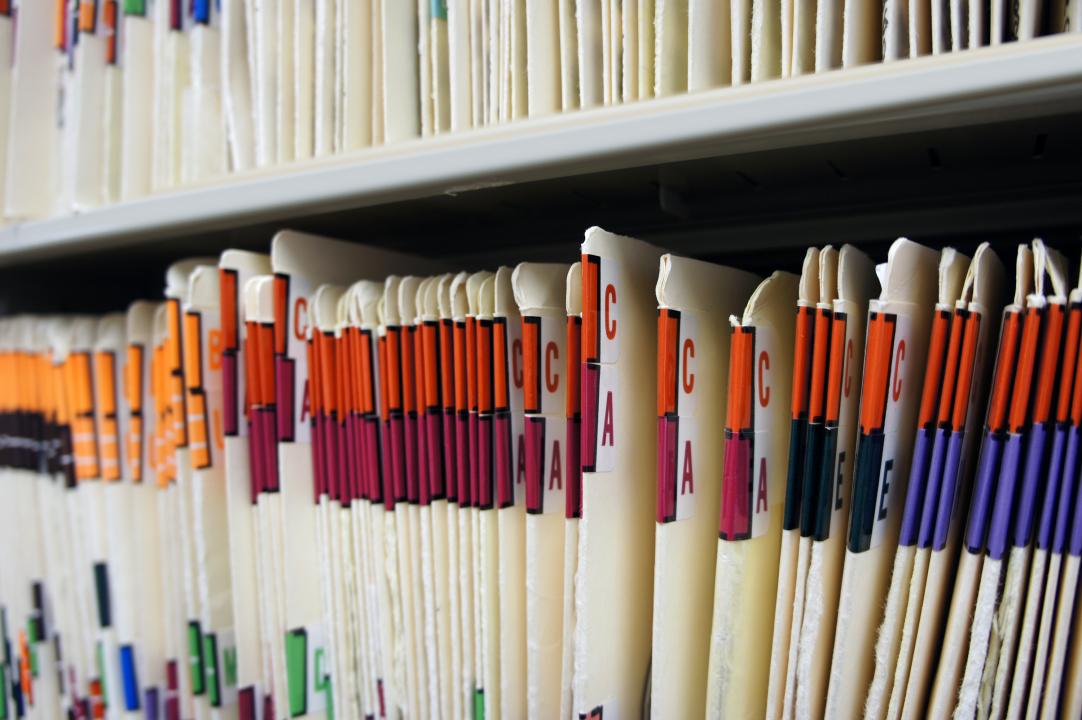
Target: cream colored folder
(409,538)
(693,298)
(354,76)
(543,57)
(896,345)
(439,427)
(137,58)
(301,262)
(453,440)
(792,570)
(426,492)
(803,26)
(631,64)
(460,78)
(540,291)
(376,26)
(508,493)
(1031,660)
(265,98)
(569,56)
(424,66)
(515,41)
(259,326)
(1072,677)
(1047,673)
(331,478)
(112,102)
(150,646)
(401,118)
(752,498)
(236,269)
(7,49)
(386,618)
(86,133)
(1017,490)
(439,54)
(288,74)
(614,582)
(327,71)
(182,493)
(87,517)
(908,573)
(920,27)
(208,149)
(829,34)
(813,499)
(741,32)
(396,525)
(573,491)
(108,351)
(481,289)
(953,459)
(861,32)
(172,82)
(854,288)
(237,81)
(645,35)
(896,35)
(683,50)
(203,400)
(590,52)
(710,42)
(766,42)
(963,618)
(458,304)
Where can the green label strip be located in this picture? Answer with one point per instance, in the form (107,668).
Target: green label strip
(296,677)
(478,704)
(214,685)
(195,658)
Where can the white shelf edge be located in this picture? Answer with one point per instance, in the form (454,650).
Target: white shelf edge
(1019,80)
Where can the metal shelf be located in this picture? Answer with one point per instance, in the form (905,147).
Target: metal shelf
(474,173)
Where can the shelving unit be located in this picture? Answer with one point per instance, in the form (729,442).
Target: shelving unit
(984,143)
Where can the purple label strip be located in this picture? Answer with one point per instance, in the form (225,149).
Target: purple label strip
(984,486)
(944,509)
(918,483)
(1046,521)
(1033,480)
(936,469)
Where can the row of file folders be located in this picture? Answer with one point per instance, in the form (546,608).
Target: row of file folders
(111,100)
(337,480)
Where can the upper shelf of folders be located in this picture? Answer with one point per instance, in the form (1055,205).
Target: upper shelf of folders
(981,143)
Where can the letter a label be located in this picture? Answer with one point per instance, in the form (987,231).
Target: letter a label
(608,419)
(687,480)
